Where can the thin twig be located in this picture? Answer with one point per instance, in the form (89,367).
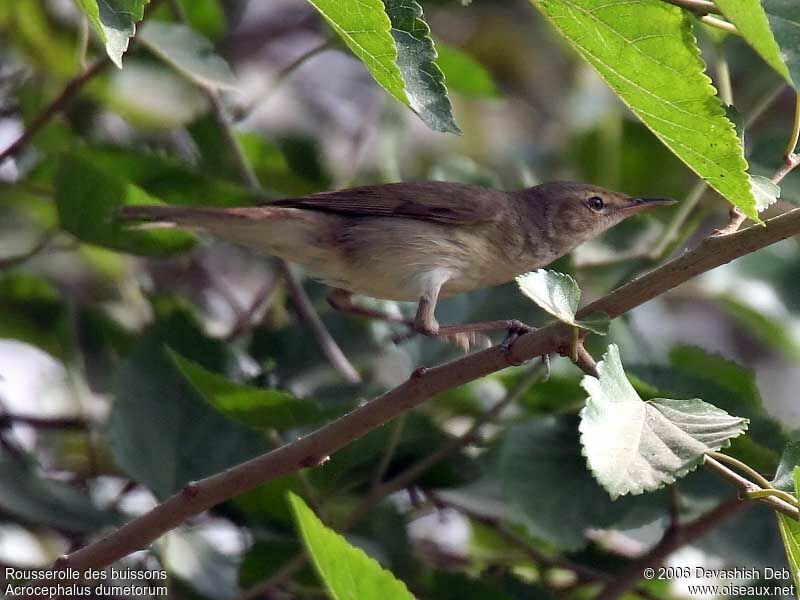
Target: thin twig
(314,448)
(713,462)
(56,106)
(305,309)
(674,538)
(55,423)
(745,486)
(70,90)
(401,481)
(388,453)
(792,143)
(720,24)
(757,477)
(698,7)
(792,161)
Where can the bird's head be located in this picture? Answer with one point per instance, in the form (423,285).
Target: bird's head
(577,212)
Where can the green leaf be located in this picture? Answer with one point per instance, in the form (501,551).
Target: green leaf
(163,434)
(634,446)
(25,494)
(189,53)
(765,192)
(770,330)
(790,460)
(545,480)
(790,534)
(751,21)
(366,29)
(348,573)
(416,57)
(647,54)
(463,73)
(87,199)
(115,23)
(251,406)
(559,294)
(393,42)
(784,19)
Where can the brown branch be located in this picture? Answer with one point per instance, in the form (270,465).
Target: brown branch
(585,574)
(314,448)
(400,481)
(56,423)
(72,88)
(305,308)
(674,538)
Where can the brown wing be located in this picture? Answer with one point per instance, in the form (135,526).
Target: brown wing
(443,202)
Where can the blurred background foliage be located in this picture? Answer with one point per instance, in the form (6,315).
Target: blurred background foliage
(132,362)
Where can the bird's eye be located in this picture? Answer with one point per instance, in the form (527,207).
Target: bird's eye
(596,203)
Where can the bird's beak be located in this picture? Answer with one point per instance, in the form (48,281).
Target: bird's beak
(636,205)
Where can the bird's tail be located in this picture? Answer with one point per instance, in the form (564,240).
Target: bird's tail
(189,216)
(275,230)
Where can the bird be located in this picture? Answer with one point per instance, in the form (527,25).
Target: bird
(414,241)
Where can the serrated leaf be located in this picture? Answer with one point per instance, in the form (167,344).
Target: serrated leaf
(163,434)
(647,54)
(115,23)
(559,294)
(765,192)
(634,446)
(251,406)
(751,21)
(535,453)
(784,20)
(394,43)
(348,573)
(790,534)
(87,199)
(416,57)
(366,29)
(189,53)
(463,73)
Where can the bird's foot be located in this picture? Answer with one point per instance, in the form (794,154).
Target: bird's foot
(516,329)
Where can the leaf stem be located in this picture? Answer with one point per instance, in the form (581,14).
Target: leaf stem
(795,128)
(786,496)
(720,24)
(745,485)
(744,468)
(698,7)
(724,78)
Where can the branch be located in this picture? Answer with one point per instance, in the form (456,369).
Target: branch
(674,538)
(72,88)
(305,308)
(314,448)
(310,317)
(585,574)
(698,7)
(400,481)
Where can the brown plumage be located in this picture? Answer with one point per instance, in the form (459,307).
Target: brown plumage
(415,241)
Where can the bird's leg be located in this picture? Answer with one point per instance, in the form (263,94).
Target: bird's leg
(425,323)
(342,300)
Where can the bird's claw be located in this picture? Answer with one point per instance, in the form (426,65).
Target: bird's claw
(516,329)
